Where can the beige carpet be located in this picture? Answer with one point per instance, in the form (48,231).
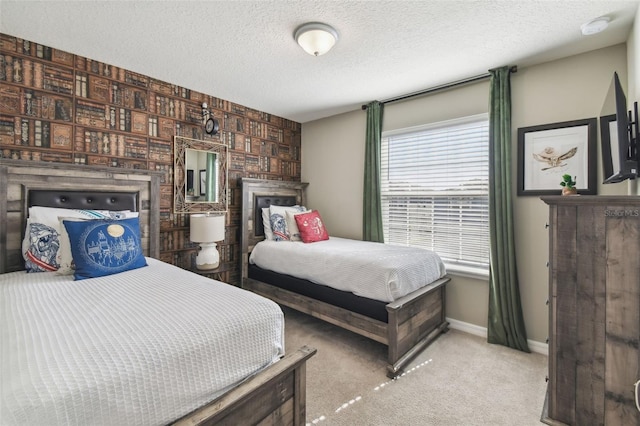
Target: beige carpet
(458,380)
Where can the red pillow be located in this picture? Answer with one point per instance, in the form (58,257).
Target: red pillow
(311,227)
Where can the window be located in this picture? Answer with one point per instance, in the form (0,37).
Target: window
(435,190)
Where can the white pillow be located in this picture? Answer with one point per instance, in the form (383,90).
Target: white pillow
(266,224)
(66,266)
(278,221)
(292,225)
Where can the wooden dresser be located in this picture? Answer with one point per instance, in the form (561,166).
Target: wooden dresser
(594,310)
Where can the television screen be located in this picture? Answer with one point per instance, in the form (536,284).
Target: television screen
(618,142)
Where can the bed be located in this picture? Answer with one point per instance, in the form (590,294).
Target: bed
(134,347)
(406,325)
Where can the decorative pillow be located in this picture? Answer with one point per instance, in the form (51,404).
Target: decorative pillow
(311,227)
(42,247)
(266,223)
(41,243)
(278,220)
(65,258)
(105,247)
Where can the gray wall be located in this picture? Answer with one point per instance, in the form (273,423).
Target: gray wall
(567,89)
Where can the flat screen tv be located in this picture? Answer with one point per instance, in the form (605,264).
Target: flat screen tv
(619,135)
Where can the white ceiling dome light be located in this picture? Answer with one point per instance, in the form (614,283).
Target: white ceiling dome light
(316,38)
(595,26)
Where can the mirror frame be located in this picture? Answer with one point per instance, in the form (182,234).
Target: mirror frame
(180,203)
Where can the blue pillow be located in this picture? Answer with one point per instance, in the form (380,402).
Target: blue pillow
(105,247)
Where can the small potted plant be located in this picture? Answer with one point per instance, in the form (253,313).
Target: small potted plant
(568,185)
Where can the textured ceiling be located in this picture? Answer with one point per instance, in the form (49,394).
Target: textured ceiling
(244,52)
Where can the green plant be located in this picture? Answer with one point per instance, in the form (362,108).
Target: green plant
(568,182)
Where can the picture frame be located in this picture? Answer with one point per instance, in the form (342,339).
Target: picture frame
(548,151)
(203,182)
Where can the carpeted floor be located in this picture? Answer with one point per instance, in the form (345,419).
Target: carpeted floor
(459,380)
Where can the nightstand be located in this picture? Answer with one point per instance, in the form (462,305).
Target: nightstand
(215,274)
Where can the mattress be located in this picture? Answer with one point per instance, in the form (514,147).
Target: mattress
(145,346)
(373,270)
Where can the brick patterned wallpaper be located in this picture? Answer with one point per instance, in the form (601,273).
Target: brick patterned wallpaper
(60,107)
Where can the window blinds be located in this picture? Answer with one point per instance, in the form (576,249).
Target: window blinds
(435,189)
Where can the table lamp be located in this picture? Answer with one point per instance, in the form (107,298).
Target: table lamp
(206,229)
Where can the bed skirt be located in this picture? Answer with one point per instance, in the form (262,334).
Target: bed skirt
(368,307)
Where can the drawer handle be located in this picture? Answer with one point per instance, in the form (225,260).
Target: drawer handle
(546,225)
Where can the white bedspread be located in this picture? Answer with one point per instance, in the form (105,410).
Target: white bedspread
(373,270)
(141,347)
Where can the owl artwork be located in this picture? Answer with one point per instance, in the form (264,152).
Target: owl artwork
(552,158)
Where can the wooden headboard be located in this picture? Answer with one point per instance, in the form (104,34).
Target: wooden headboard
(28,183)
(259,193)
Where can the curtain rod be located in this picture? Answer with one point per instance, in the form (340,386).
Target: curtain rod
(462,82)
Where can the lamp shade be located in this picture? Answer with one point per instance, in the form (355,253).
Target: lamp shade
(316,38)
(206,228)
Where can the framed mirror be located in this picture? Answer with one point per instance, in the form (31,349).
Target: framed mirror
(200,176)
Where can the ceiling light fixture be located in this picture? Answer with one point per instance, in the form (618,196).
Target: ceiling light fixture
(316,38)
(595,26)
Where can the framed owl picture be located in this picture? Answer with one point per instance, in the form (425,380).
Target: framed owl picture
(547,152)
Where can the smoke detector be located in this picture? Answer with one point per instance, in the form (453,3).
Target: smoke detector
(595,26)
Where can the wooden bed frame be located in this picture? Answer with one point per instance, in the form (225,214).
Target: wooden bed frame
(274,396)
(414,320)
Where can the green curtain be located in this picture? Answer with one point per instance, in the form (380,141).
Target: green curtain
(372,208)
(506,323)
(210,178)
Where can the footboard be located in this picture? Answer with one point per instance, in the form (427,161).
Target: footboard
(415,321)
(275,396)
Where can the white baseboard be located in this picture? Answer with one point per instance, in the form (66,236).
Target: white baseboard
(467,327)
(476,330)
